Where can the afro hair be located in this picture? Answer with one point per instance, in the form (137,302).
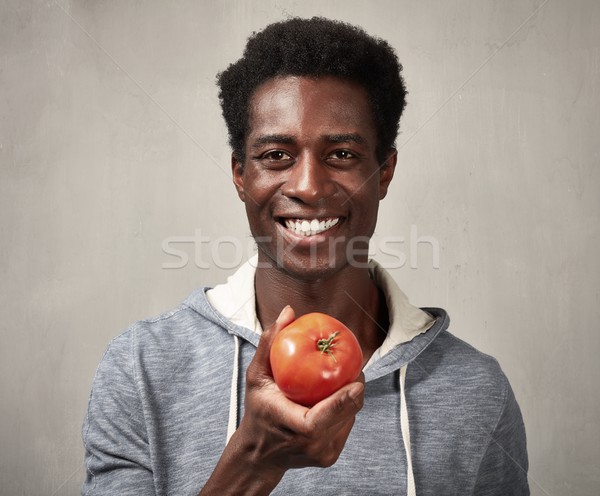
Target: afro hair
(316,47)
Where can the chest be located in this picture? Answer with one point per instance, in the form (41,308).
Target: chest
(187,429)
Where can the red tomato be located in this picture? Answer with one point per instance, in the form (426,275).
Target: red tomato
(313,357)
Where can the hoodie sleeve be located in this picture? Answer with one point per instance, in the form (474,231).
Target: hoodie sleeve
(117,454)
(503,468)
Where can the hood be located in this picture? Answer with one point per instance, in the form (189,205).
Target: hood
(231,306)
(406,352)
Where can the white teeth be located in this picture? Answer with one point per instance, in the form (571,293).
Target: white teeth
(307,227)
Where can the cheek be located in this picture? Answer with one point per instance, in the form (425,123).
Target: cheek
(253,200)
(258,203)
(366,195)
(260,186)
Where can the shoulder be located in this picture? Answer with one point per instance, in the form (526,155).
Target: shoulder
(147,333)
(462,375)
(171,336)
(465,406)
(460,359)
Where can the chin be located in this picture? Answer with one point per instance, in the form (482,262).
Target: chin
(305,268)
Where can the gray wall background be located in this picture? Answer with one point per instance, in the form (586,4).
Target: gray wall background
(111,142)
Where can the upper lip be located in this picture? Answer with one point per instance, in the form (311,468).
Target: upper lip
(308,216)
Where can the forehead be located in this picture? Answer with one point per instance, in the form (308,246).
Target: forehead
(299,105)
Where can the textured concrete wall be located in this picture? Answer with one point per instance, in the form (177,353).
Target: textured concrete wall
(111,142)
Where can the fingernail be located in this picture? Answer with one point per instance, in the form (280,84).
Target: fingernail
(356,390)
(281,314)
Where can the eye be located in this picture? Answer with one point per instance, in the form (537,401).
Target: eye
(275,156)
(342,158)
(342,155)
(274,159)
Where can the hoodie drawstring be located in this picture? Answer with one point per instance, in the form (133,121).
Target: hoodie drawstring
(233,397)
(410,479)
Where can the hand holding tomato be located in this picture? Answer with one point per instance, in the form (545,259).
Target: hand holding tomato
(313,357)
(277,434)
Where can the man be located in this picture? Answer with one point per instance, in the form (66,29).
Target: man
(312,110)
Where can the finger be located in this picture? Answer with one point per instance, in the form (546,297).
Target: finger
(340,433)
(286,317)
(341,406)
(361,377)
(263,350)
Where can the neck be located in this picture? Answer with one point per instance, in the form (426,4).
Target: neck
(348,295)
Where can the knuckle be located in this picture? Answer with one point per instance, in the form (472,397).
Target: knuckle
(309,430)
(359,402)
(251,376)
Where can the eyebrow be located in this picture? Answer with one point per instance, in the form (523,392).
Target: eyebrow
(266,139)
(346,138)
(285,139)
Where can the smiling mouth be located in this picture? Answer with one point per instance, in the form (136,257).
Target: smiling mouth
(310,227)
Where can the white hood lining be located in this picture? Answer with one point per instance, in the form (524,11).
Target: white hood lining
(236,301)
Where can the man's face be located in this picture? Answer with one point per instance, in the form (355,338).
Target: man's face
(310,182)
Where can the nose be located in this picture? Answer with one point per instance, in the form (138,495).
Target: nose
(309,180)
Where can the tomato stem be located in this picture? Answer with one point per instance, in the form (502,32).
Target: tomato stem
(326,345)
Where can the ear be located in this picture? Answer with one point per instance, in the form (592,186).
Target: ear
(386,172)
(237,172)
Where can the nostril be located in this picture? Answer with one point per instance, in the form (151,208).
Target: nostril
(309,183)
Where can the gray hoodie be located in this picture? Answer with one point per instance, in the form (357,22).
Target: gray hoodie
(157,418)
